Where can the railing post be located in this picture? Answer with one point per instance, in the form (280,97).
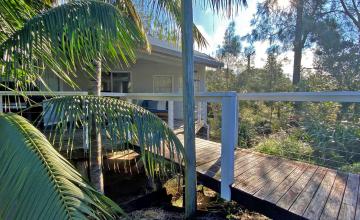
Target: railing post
(1,104)
(171,114)
(199,118)
(229,132)
(85,131)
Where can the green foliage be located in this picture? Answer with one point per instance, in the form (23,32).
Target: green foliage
(13,15)
(231,44)
(277,23)
(285,145)
(246,134)
(354,168)
(66,38)
(120,122)
(164,20)
(38,183)
(335,142)
(338,57)
(315,82)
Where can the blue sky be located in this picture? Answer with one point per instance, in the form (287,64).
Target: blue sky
(213,28)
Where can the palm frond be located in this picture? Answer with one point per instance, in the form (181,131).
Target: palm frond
(38,183)
(13,15)
(68,38)
(164,19)
(227,7)
(122,124)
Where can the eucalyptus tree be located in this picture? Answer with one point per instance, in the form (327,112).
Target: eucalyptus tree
(293,26)
(230,50)
(249,53)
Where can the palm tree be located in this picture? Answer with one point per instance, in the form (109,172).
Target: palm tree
(63,193)
(38,183)
(79,35)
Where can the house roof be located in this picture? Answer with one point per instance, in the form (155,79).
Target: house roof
(166,48)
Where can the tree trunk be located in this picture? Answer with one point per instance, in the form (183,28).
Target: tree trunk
(248,62)
(298,42)
(96,174)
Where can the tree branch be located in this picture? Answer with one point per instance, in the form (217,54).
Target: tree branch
(348,13)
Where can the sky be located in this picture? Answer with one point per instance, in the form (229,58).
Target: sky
(213,27)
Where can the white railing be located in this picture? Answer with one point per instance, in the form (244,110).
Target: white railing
(35,93)
(340,96)
(229,124)
(228,100)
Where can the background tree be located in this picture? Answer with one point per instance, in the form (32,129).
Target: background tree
(249,53)
(230,50)
(291,26)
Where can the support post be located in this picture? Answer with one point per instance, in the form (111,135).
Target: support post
(229,133)
(188,107)
(199,111)
(85,131)
(171,114)
(1,104)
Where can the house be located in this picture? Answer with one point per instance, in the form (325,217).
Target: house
(158,72)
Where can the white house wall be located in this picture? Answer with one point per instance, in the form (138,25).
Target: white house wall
(142,73)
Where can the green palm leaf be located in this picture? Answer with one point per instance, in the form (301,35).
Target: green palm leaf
(164,19)
(66,39)
(123,125)
(228,7)
(14,13)
(36,182)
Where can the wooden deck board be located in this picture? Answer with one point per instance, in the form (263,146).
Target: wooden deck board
(283,170)
(297,188)
(348,206)
(304,199)
(333,204)
(270,186)
(318,202)
(294,191)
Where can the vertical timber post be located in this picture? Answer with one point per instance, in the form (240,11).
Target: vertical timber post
(171,114)
(229,133)
(199,111)
(85,132)
(1,104)
(189,107)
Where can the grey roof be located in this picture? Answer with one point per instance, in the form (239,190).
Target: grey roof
(163,47)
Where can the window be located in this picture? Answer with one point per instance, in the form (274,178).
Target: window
(115,82)
(163,84)
(196,84)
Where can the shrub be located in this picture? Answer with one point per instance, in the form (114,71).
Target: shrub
(285,145)
(246,134)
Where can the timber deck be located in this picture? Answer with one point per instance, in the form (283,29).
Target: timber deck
(281,188)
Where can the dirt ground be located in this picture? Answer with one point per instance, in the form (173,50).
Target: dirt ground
(129,187)
(210,206)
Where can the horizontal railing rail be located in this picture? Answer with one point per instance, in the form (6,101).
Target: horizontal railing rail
(203,96)
(43,93)
(340,96)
